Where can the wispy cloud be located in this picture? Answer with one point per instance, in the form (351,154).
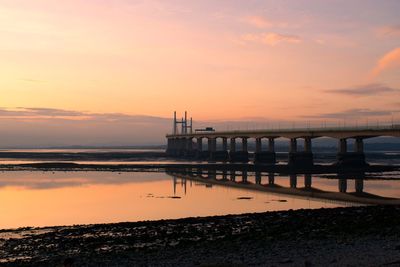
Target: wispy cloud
(390,60)
(31,80)
(52,113)
(365,90)
(388,31)
(270,38)
(257,21)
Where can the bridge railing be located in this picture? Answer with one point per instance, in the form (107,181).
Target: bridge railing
(386,127)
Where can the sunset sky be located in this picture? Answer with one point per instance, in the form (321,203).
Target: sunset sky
(221,60)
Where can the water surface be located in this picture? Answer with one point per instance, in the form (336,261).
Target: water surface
(66,198)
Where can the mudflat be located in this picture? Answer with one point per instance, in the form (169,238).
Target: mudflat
(354,236)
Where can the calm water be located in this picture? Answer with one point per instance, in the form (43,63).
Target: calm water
(66,198)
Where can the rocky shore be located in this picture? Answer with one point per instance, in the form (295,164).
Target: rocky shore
(356,236)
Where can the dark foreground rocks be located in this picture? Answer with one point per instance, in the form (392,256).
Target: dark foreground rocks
(356,236)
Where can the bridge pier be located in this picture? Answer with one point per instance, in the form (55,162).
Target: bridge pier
(211,147)
(180,146)
(300,158)
(170,147)
(200,154)
(220,155)
(266,157)
(351,159)
(239,156)
(189,151)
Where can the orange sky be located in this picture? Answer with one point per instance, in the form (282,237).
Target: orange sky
(218,59)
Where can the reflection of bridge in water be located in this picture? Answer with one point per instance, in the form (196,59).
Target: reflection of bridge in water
(265,182)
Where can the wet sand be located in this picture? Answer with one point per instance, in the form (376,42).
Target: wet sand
(357,236)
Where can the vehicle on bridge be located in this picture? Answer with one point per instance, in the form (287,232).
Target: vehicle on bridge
(207,129)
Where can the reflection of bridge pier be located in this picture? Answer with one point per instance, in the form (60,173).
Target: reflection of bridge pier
(358,183)
(342,185)
(307,181)
(244,176)
(233,175)
(353,197)
(293,181)
(271,178)
(224,175)
(258,177)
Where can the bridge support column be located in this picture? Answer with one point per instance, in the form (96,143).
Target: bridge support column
(359,145)
(180,146)
(200,153)
(220,155)
(302,159)
(307,145)
(293,145)
(343,145)
(170,147)
(271,145)
(239,156)
(244,144)
(212,146)
(351,159)
(189,152)
(232,145)
(258,145)
(266,157)
(225,144)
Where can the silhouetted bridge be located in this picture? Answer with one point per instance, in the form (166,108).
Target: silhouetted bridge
(190,144)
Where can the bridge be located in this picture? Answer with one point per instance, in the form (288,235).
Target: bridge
(186,143)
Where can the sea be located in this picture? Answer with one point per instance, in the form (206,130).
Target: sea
(31,198)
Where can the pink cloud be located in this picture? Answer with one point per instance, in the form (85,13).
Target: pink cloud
(390,60)
(271,38)
(388,31)
(257,21)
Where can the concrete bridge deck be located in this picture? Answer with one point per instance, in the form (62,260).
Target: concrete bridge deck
(332,132)
(190,144)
